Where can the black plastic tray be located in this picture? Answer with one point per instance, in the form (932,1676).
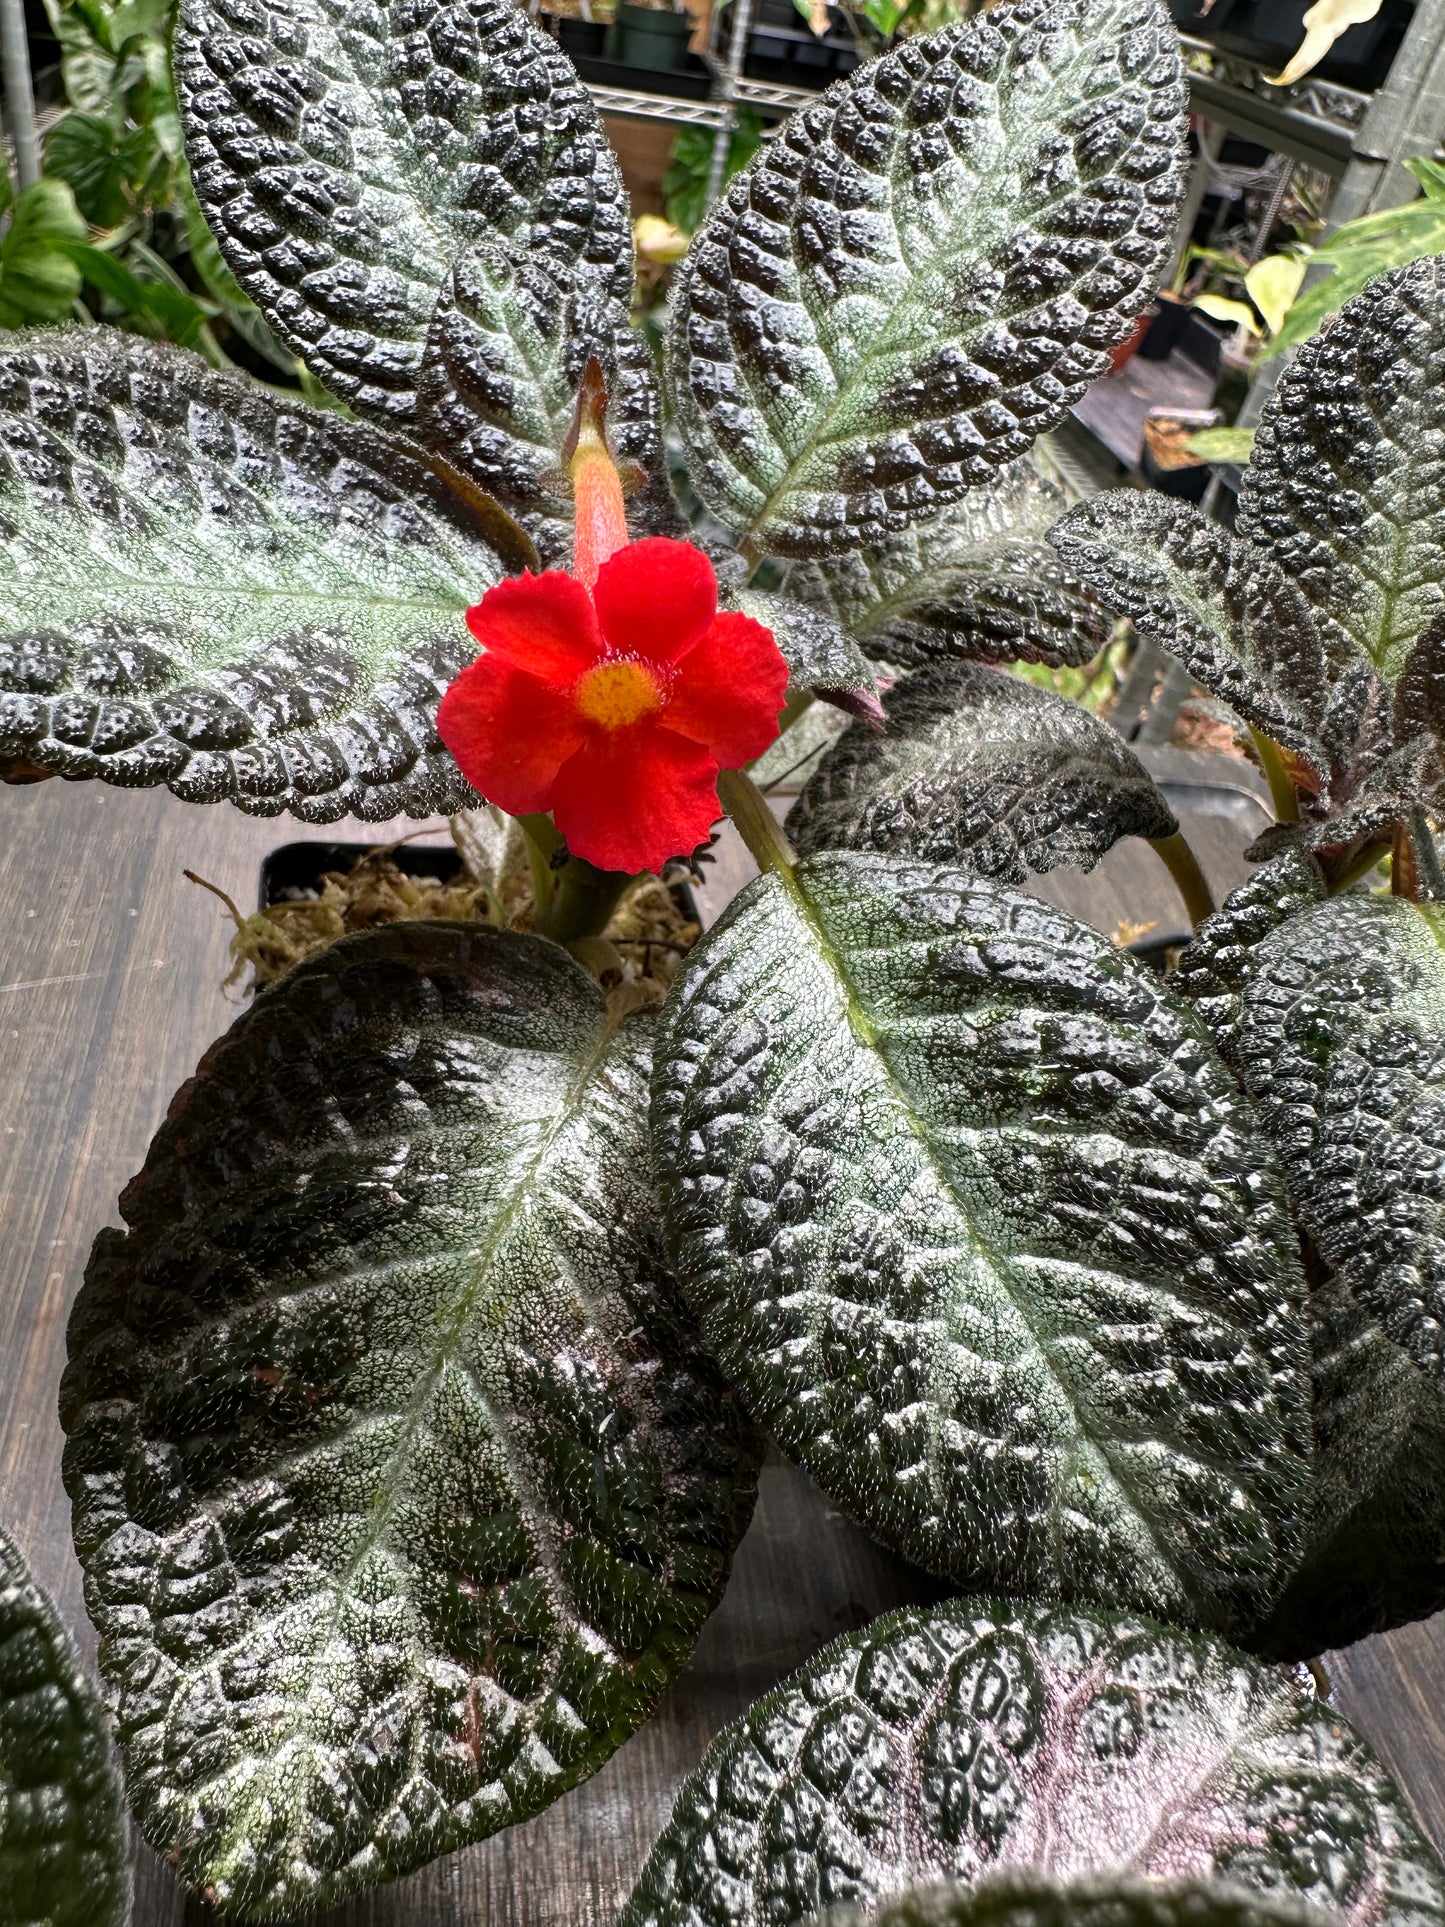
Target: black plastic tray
(692,82)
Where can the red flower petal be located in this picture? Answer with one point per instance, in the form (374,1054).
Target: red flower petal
(544,624)
(655,598)
(729,690)
(510,733)
(631,798)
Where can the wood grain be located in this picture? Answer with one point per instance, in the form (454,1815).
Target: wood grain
(110,988)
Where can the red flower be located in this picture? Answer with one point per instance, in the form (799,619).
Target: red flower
(615,710)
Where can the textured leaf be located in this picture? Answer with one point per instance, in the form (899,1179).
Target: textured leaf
(203,586)
(819,655)
(978,1735)
(1346,486)
(976,1222)
(978,579)
(1234,618)
(981,769)
(923,272)
(1025,1897)
(348,153)
(63,1858)
(1332,1014)
(498,387)
(399,1484)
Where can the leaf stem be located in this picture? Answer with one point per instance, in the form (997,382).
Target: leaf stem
(1342,872)
(757,826)
(1281,789)
(1182,864)
(543,842)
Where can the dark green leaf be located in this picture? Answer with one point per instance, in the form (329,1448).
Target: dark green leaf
(38,280)
(165,310)
(924,271)
(979,768)
(1332,1014)
(978,1225)
(819,655)
(348,154)
(978,1735)
(63,1857)
(103,159)
(1343,488)
(976,580)
(1026,1897)
(399,1483)
(207,587)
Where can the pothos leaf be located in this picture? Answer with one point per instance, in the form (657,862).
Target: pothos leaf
(981,769)
(924,271)
(205,586)
(348,154)
(1332,1014)
(38,280)
(977,1735)
(1343,488)
(399,1482)
(979,1227)
(63,1849)
(1026,1897)
(976,580)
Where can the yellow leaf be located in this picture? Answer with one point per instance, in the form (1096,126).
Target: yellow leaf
(1323,25)
(1272,285)
(657,240)
(1238,313)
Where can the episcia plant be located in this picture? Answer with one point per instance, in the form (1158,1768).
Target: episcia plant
(414,1413)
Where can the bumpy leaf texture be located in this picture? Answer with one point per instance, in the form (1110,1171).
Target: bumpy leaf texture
(421,200)
(63,1857)
(1027,1897)
(980,768)
(1332,1013)
(978,1225)
(820,656)
(976,1736)
(923,272)
(975,580)
(400,1485)
(203,586)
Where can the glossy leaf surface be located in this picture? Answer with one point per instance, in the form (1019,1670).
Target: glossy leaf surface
(1025,1897)
(976,580)
(975,1736)
(978,1225)
(982,769)
(925,270)
(350,155)
(64,1859)
(206,587)
(1332,1013)
(819,655)
(399,1483)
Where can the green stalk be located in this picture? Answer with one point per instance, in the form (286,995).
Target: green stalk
(1281,789)
(757,826)
(1183,865)
(543,841)
(582,901)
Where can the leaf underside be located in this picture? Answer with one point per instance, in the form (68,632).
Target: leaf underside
(1025,1897)
(926,269)
(975,580)
(981,769)
(977,1736)
(977,1224)
(63,1855)
(1332,1014)
(203,586)
(399,1483)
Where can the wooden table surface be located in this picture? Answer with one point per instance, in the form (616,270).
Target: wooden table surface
(110,988)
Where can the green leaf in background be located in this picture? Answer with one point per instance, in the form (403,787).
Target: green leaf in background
(689,168)
(64,1859)
(981,1229)
(980,769)
(1355,253)
(1221,444)
(205,586)
(1025,1897)
(38,282)
(401,1485)
(924,271)
(819,655)
(978,580)
(101,157)
(1332,1014)
(162,309)
(976,1735)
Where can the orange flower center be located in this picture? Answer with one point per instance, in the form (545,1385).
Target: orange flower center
(615,694)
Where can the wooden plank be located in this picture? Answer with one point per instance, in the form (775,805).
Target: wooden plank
(110,989)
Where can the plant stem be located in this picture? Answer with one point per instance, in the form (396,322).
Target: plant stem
(543,842)
(1281,789)
(582,901)
(1183,865)
(1342,872)
(757,826)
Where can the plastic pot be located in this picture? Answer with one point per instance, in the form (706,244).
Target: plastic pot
(582,39)
(647,37)
(1163,334)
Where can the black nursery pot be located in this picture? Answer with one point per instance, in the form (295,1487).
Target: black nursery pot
(582,39)
(646,37)
(1165,331)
